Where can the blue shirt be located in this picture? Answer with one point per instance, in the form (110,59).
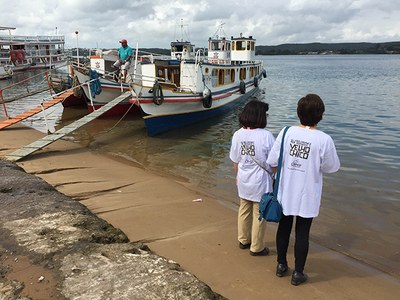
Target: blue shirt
(124,53)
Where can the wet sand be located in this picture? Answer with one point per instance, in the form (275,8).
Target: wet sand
(167,215)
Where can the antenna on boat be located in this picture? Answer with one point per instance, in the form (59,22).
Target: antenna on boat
(220,31)
(183,33)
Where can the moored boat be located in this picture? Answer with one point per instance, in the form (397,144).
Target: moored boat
(180,91)
(31,52)
(107,87)
(5,72)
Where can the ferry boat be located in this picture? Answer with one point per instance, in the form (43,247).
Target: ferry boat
(178,92)
(20,52)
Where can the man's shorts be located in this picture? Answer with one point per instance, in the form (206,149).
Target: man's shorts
(124,66)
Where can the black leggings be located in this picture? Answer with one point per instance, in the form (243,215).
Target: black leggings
(303,226)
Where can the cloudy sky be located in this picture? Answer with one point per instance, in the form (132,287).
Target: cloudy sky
(155,23)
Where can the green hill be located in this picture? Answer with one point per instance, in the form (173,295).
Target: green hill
(330,48)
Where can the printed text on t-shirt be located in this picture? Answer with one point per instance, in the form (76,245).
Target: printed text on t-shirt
(299,149)
(247,148)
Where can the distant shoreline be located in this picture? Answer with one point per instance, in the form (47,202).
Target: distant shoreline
(298,49)
(330,48)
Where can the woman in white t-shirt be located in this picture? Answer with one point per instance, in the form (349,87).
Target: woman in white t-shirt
(307,154)
(250,147)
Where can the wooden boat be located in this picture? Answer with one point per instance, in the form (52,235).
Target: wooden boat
(179,89)
(186,89)
(31,52)
(5,72)
(103,83)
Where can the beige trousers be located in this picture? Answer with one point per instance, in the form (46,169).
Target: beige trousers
(250,230)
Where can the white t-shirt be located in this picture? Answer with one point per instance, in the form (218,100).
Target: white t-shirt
(307,154)
(249,147)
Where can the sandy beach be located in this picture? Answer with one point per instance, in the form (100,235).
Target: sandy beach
(191,228)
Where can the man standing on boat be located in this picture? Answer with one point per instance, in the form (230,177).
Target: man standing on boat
(124,57)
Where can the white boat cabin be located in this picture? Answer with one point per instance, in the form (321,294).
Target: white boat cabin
(243,50)
(182,50)
(219,51)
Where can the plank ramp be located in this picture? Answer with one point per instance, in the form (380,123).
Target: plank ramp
(51,138)
(35,110)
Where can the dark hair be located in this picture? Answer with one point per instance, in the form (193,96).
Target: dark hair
(254,114)
(310,110)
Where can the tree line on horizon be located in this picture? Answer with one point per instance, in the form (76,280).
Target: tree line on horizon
(330,48)
(301,49)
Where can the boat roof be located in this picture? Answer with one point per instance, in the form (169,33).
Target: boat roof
(242,38)
(7,28)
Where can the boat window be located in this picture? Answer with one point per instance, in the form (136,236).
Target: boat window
(240,45)
(220,77)
(248,45)
(206,70)
(214,46)
(252,46)
(233,45)
(233,75)
(227,76)
(242,75)
(214,77)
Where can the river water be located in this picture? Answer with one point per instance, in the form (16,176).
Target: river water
(360,211)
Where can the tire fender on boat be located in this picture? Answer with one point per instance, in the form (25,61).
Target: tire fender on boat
(264,73)
(158,97)
(255,82)
(207,98)
(242,87)
(14,55)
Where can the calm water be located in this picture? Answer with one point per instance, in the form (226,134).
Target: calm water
(360,213)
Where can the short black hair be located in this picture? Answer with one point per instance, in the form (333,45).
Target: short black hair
(310,109)
(254,114)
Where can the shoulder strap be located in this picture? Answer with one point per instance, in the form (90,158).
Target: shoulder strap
(266,170)
(278,171)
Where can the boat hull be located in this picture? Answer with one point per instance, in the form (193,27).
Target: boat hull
(109,91)
(156,124)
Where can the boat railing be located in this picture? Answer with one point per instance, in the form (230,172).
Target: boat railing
(59,39)
(48,98)
(198,58)
(32,86)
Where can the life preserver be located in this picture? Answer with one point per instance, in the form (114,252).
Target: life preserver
(255,82)
(158,97)
(242,87)
(20,54)
(207,98)
(14,55)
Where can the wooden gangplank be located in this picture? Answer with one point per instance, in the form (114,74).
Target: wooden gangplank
(36,110)
(51,138)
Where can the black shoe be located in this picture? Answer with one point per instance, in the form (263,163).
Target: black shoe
(298,278)
(263,252)
(244,246)
(281,270)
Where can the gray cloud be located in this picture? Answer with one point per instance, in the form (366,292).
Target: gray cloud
(156,23)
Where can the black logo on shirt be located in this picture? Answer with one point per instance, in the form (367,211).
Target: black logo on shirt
(299,149)
(247,148)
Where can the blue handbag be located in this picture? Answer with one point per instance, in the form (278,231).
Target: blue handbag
(270,209)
